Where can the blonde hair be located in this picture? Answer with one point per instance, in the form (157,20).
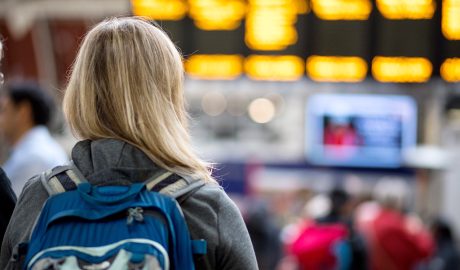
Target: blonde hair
(127,84)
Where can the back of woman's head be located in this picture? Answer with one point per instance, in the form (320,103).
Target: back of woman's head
(126,84)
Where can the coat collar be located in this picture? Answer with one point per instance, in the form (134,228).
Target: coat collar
(109,161)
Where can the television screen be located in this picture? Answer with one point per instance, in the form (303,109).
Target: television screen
(360,130)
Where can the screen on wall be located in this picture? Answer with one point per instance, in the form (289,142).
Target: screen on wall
(359,130)
(403,41)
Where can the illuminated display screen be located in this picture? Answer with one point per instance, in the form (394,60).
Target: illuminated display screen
(407,9)
(451,19)
(359,130)
(404,48)
(339,48)
(282,68)
(401,69)
(275,37)
(450,65)
(271,24)
(450,70)
(450,24)
(402,41)
(342,10)
(224,66)
(217,15)
(160,9)
(336,68)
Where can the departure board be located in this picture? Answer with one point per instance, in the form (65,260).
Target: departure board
(404,41)
(404,49)
(340,40)
(450,25)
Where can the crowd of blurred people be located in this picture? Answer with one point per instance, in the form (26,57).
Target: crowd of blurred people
(336,230)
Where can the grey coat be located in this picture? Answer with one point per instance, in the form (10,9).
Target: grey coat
(209,212)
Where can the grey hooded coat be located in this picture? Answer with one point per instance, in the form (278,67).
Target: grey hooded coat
(209,212)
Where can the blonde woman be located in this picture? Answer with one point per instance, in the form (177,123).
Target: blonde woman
(125,101)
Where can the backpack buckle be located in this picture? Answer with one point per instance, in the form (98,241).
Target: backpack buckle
(135,214)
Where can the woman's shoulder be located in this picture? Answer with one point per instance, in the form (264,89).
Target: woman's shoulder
(210,189)
(213,216)
(33,188)
(209,206)
(211,194)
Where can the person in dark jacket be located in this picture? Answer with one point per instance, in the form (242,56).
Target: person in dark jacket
(7,196)
(7,202)
(265,234)
(446,255)
(125,101)
(340,214)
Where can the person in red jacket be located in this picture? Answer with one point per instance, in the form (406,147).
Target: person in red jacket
(396,241)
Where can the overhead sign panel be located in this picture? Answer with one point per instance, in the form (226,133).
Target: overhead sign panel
(401,41)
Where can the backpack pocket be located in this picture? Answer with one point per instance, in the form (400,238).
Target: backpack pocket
(111,228)
(129,254)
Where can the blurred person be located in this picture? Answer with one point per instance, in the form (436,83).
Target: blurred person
(396,240)
(338,212)
(329,241)
(446,255)
(341,212)
(7,196)
(264,233)
(125,101)
(315,206)
(25,112)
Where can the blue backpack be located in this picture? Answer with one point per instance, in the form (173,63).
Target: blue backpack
(134,227)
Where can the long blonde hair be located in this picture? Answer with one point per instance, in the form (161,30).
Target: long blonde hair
(127,84)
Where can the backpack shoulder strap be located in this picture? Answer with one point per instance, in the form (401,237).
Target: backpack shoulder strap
(172,184)
(61,179)
(65,178)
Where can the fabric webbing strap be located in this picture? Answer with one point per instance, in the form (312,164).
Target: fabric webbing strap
(157,178)
(62,178)
(172,184)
